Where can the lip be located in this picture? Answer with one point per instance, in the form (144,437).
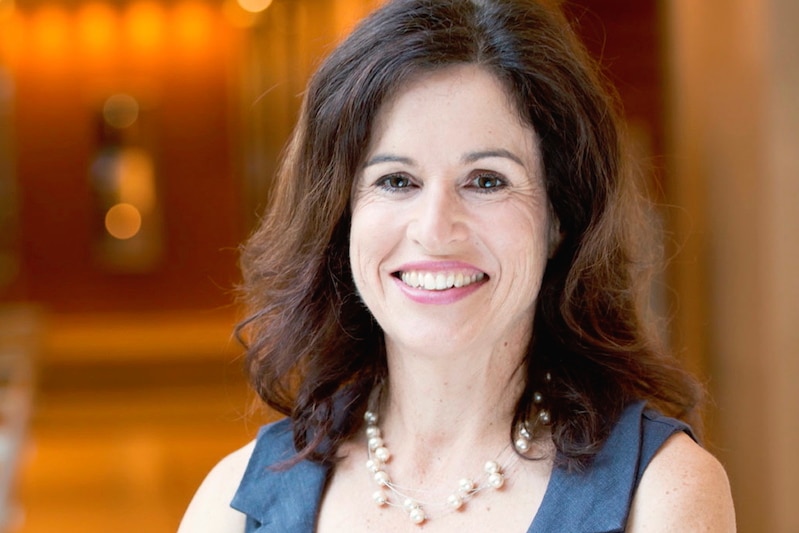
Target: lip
(439,297)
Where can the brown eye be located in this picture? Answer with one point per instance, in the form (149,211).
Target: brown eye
(394,182)
(488,181)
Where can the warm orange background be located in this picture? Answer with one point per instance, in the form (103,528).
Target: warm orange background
(179,61)
(137,385)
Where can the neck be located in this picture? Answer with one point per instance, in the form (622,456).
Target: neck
(457,404)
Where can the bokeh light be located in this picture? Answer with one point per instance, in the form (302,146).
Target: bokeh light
(145,27)
(237,16)
(97,27)
(123,221)
(254,6)
(192,24)
(50,32)
(121,111)
(136,179)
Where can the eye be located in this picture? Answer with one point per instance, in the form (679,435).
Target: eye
(487,181)
(394,182)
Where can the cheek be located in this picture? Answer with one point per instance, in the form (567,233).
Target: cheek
(522,232)
(521,252)
(356,263)
(365,248)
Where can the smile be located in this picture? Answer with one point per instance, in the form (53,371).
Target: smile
(439,281)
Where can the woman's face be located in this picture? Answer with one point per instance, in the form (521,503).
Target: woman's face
(450,225)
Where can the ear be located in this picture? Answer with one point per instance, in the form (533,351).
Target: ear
(555,235)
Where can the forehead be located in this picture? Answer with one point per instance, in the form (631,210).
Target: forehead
(465,106)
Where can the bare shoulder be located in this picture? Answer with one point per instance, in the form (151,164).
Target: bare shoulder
(209,510)
(684,488)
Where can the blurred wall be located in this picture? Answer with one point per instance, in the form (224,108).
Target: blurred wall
(217,102)
(734,128)
(213,116)
(178,61)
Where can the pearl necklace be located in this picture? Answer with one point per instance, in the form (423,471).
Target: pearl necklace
(391,494)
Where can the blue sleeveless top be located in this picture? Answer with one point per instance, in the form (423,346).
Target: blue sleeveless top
(596,500)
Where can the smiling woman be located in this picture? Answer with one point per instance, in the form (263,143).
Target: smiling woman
(452,190)
(448,270)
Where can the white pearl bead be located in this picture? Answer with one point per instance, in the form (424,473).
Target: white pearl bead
(410,504)
(455,501)
(525,433)
(380,497)
(496,480)
(544,417)
(538,397)
(382,454)
(417,516)
(373,465)
(491,467)
(522,445)
(467,488)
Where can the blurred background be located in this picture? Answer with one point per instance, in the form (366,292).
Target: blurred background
(137,141)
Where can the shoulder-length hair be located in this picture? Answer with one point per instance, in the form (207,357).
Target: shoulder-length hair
(314,352)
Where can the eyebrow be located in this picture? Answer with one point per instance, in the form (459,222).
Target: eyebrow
(388,158)
(473,157)
(470,157)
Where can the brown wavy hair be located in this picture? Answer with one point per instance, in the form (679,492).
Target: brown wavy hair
(314,352)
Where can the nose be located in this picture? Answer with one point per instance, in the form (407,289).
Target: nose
(439,219)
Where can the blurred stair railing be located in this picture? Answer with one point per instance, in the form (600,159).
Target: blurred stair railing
(18,345)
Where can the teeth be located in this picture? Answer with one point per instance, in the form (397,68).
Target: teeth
(440,281)
(429,282)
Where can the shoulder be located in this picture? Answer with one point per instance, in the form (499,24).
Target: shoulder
(684,488)
(209,510)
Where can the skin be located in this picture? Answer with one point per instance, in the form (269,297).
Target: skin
(452,185)
(209,510)
(684,488)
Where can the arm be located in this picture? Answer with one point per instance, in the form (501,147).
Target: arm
(684,488)
(209,510)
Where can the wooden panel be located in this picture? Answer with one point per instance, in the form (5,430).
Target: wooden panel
(626,38)
(182,76)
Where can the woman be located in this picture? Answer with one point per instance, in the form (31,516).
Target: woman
(446,300)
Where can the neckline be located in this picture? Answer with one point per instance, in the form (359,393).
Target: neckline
(288,499)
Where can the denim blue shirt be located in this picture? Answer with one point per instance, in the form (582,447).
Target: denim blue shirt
(596,500)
